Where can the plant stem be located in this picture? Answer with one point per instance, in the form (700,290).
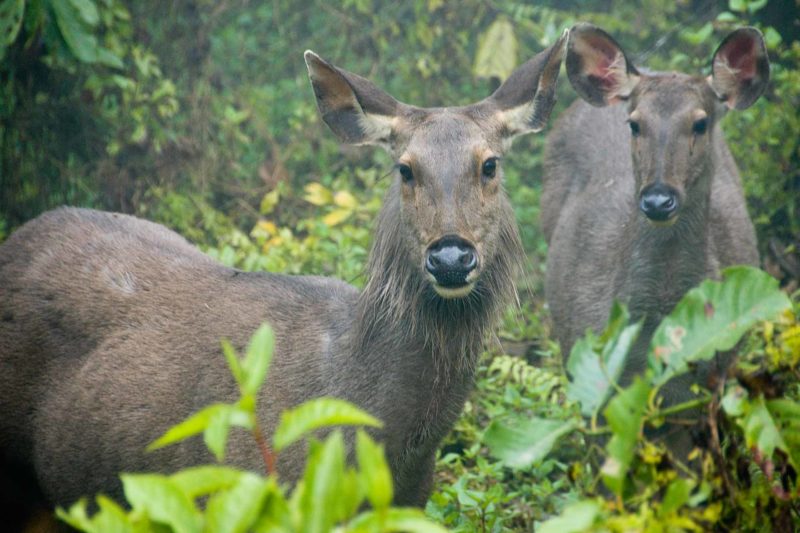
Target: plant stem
(691,404)
(266,451)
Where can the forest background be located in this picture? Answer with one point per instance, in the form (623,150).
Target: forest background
(199,115)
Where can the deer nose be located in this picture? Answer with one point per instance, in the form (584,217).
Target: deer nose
(659,202)
(450,260)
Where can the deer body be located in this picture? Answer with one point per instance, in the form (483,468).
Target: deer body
(111,325)
(642,200)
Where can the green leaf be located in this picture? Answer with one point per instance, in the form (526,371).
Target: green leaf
(677,495)
(497,51)
(713,317)
(162,500)
(320,504)
(526,441)
(376,478)
(236,509)
(575,518)
(593,372)
(193,425)
(76,516)
(233,362)
(74,30)
(624,414)
(318,413)
(256,362)
(111,517)
(394,519)
(87,11)
(202,480)
(11,15)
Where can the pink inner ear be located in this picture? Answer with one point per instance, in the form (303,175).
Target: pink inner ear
(603,66)
(740,54)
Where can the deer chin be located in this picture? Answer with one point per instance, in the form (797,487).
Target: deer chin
(452,293)
(663,223)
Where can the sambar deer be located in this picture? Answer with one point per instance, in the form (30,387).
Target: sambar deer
(641,197)
(110,325)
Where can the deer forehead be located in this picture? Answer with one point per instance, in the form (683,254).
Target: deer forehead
(672,95)
(446,138)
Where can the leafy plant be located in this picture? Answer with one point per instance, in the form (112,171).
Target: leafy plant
(330,495)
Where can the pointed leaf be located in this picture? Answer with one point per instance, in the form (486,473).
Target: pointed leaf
(593,372)
(202,480)
(193,425)
(162,500)
(376,478)
(11,16)
(576,518)
(713,317)
(256,362)
(75,32)
(624,414)
(525,441)
(322,491)
(233,362)
(318,413)
(236,509)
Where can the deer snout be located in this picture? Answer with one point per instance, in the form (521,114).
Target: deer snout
(450,261)
(659,202)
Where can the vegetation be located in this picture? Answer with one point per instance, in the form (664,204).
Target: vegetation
(199,115)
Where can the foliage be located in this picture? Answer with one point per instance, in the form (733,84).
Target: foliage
(220,498)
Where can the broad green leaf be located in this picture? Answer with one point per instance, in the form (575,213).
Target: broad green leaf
(256,362)
(497,51)
(321,498)
(87,11)
(394,519)
(11,15)
(318,413)
(111,517)
(713,317)
(193,425)
(202,480)
(593,371)
(318,194)
(624,414)
(162,500)
(236,509)
(786,414)
(526,441)
(677,496)
(376,478)
(767,424)
(75,32)
(575,518)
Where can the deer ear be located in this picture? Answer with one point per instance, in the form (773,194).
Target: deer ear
(740,68)
(597,67)
(353,107)
(526,98)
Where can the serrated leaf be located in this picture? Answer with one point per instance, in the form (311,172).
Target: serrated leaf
(713,317)
(625,413)
(497,51)
(236,509)
(525,441)
(374,472)
(11,15)
(193,425)
(201,480)
(318,194)
(162,501)
(75,32)
(318,413)
(259,356)
(576,518)
(594,372)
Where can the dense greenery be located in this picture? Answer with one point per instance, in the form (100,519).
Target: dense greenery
(198,114)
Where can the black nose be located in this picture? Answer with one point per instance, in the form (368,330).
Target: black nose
(450,260)
(659,202)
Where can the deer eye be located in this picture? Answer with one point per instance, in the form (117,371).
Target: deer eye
(635,128)
(700,126)
(405,173)
(489,168)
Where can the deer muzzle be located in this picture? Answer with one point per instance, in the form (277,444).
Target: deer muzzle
(452,264)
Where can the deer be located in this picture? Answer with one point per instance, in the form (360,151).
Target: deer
(641,197)
(110,325)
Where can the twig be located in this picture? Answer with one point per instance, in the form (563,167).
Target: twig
(266,451)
